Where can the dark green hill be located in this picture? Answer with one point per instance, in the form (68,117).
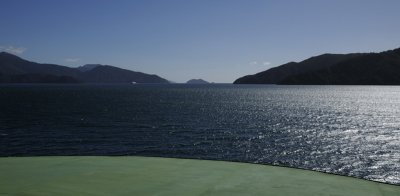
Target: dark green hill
(197,81)
(370,69)
(358,68)
(14,65)
(110,74)
(14,69)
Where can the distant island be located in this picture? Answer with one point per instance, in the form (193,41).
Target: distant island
(14,69)
(197,81)
(334,69)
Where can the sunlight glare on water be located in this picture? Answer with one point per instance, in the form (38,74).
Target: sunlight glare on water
(347,130)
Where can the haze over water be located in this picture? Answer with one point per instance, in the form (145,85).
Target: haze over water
(347,130)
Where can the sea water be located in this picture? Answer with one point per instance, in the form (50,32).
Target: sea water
(346,130)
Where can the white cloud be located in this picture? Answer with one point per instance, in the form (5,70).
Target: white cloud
(72,60)
(253,63)
(12,49)
(266,63)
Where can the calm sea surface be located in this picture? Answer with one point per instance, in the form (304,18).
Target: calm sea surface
(347,130)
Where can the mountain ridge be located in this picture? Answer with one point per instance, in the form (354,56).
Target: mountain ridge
(14,69)
(369,69)
(331,69)
(197,81)
(87,67)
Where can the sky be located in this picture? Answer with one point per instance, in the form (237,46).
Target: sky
(216,40)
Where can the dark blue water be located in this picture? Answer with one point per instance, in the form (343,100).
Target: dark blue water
(348,130)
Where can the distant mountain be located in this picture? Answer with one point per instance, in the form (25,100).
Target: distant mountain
(14,69)
(357,69)
(87,67)
(369,69)
(13,65)
(110,74)
(277,74)
(197,81)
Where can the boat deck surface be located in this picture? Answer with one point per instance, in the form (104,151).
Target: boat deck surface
(131,175)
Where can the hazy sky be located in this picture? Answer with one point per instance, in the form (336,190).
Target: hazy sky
(217,40)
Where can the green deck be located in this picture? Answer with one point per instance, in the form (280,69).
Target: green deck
(165,176)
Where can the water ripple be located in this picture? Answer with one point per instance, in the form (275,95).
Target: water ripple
(347,130)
